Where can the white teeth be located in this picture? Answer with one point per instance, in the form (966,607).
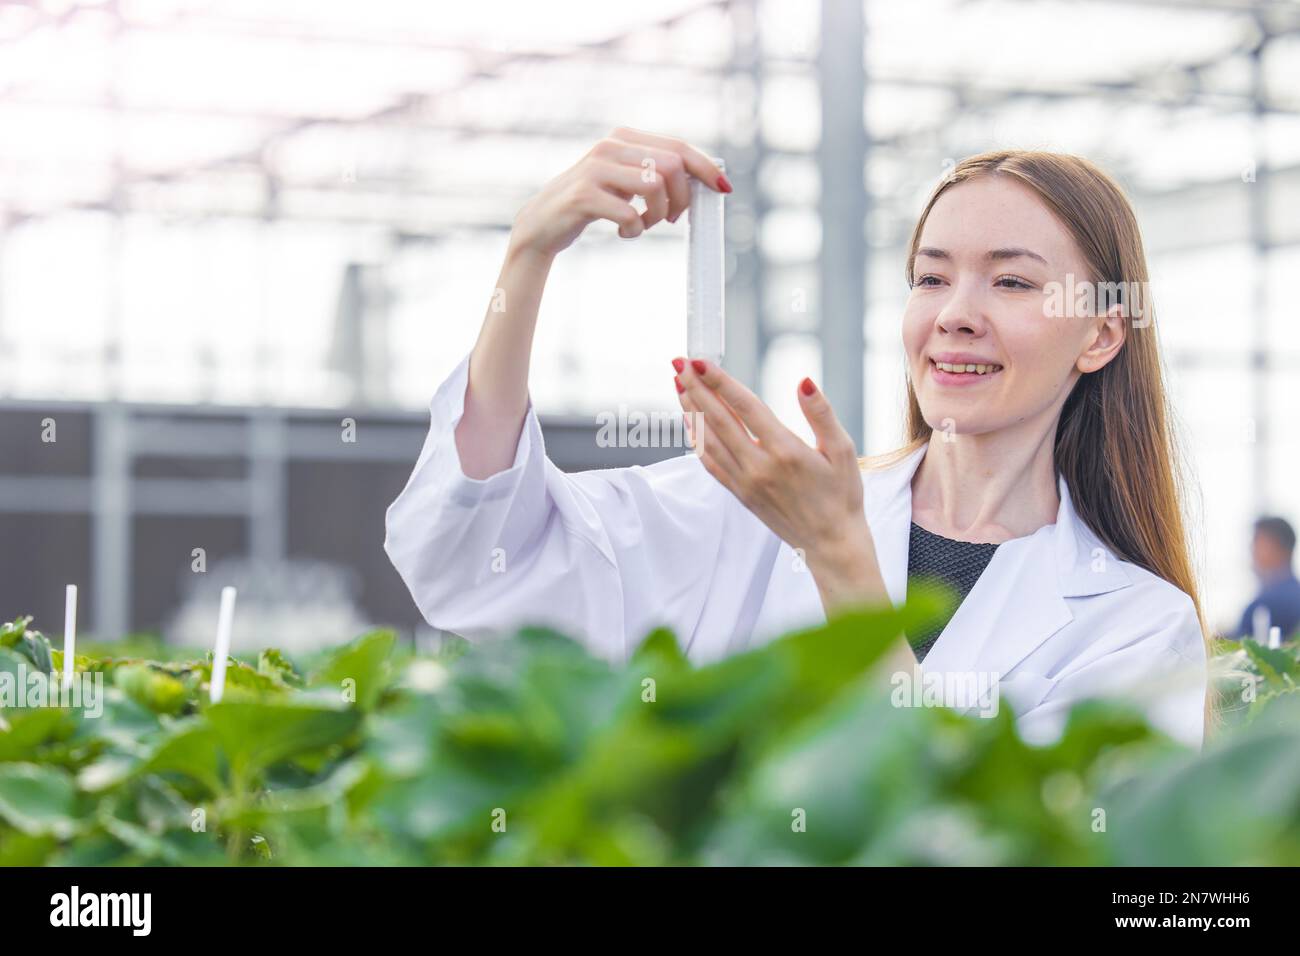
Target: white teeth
(977,369)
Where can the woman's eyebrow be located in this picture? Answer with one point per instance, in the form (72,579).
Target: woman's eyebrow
(1015,252)
(993,255)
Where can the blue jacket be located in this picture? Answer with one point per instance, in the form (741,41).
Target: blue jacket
(1282,598)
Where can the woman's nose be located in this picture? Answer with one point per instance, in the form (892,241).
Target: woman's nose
(961,312)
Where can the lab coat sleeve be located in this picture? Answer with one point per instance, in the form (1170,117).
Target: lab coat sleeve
(1163,671)
(603,556)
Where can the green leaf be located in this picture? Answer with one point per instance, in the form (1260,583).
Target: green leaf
(256,735)
(19,849)
(37,649)
(38,800)
(359,670)
(11,633)
(1237,804)
(148,847)
(190,748)
(826,659)
(19,637)
(154,689)
(271,663)
(124,725)
(26,729)
(243,682)
(1275,665)
(661,648)
(106,773)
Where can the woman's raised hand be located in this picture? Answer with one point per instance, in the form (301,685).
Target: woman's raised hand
(810,497)
(626,163)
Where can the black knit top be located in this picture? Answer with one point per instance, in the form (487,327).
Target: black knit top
(956,564)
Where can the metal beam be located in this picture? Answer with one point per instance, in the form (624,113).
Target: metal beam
(746,337)
(111,548)
(842,159)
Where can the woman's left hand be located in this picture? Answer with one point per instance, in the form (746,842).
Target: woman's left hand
(810,497)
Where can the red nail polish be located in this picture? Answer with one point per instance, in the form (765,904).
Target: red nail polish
(807,386)
(724,183)
(679,364)
(680,387)
(699,366)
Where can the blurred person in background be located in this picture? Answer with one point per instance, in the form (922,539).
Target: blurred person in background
(1271,552)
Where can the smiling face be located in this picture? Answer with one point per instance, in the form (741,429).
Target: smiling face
(981,293)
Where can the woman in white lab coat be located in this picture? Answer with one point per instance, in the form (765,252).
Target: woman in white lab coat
(1036,419)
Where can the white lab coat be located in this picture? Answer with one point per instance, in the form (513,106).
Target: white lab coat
(607,555)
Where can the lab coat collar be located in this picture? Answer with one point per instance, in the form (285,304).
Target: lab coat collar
(1020,597)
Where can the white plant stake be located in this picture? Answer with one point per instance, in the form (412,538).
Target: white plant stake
(1259,623)
(1275,637)
(69,632)
(225,620)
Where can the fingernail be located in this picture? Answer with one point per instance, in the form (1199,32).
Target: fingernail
(699,366)
(807,386)
(724,183)
(680,387)
(679,364)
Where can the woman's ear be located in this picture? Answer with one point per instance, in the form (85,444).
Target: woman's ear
(1109,333)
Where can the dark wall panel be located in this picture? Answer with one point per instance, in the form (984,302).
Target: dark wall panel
(22,452)
(335,508)
(161,558)
(39,555)
(336,514)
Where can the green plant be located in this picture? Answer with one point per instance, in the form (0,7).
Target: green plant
(530,751)
(1251,677)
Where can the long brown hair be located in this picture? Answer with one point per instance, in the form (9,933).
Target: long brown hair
(1114,440)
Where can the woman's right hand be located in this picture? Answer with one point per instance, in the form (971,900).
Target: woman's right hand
(601,185)
(626,163)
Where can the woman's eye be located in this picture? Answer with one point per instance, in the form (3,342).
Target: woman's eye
(927,280)
(1013,282)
